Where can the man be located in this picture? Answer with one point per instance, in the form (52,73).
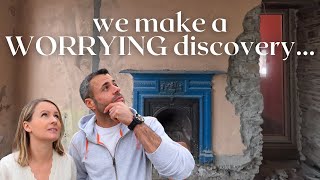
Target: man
(117,143)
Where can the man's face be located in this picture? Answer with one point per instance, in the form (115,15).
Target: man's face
(105,91)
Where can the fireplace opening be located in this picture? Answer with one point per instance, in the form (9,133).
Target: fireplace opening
(179,117)
(178,98)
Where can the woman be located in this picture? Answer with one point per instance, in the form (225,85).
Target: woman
(38,152)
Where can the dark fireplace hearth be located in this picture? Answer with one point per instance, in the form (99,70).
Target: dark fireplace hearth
(181,101)
(179,117)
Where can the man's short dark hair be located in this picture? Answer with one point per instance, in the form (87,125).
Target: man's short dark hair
(85,89)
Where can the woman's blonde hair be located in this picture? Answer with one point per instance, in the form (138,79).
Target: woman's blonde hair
(21,141)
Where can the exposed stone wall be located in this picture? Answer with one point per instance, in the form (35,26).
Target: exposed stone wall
(244,92)
(308,73)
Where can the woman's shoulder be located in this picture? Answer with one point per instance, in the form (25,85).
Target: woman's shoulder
(9,160)
(63,158)
(64,165)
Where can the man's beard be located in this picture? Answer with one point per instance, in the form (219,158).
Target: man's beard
(101,107)
(116,97)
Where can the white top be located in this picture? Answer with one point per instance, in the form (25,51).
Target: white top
(109,136)
(63,168)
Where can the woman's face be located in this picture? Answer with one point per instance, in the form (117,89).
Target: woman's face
(45,123)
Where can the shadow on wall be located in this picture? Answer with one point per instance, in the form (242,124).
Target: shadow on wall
(3,106)
(311,144)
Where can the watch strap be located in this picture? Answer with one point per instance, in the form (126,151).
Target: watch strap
(135,121)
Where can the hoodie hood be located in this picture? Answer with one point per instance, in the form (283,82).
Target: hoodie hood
(86,124)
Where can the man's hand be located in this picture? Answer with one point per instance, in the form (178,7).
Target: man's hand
(119,111)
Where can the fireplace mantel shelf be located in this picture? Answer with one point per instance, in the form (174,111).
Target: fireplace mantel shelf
(167,71)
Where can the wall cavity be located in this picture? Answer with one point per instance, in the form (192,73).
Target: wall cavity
(243,91)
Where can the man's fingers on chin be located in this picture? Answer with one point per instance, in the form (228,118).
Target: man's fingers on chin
(116,120)
(108,107)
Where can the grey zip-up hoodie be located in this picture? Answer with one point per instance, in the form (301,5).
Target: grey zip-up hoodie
(94,161)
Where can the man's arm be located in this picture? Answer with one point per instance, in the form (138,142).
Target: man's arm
(148,138)
(167,156)
(170,159)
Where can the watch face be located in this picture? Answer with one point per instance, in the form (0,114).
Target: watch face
(139,117)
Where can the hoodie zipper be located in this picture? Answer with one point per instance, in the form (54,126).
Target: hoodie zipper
(114,157)
(115,166)
(113,161)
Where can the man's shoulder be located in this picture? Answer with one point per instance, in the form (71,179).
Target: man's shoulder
(77,143)
(78,137)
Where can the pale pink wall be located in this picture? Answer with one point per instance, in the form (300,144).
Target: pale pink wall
(54,77)
(225,123)
(8,78)
(58,77)
(207,9)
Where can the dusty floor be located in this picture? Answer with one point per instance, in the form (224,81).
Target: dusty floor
(280,170)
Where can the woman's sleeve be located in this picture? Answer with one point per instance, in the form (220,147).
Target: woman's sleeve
(3,170)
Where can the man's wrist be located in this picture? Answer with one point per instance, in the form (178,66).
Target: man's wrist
(136,120)
(138,126)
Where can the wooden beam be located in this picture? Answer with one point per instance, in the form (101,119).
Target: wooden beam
(290,3)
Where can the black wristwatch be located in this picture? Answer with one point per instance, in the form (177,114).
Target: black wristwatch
(137,119)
